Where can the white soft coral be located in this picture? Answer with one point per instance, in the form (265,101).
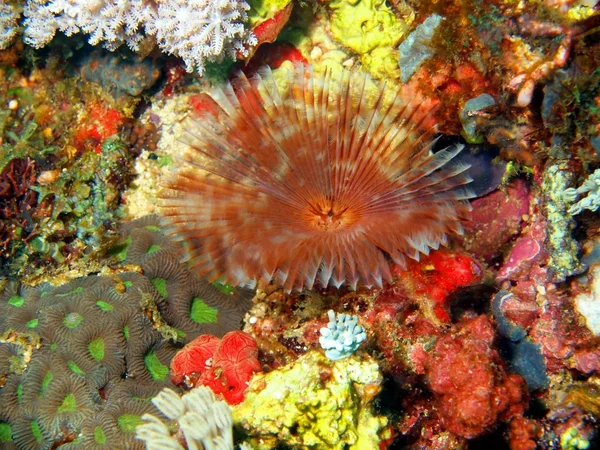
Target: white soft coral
(202,30)
(10,12)
(195,30)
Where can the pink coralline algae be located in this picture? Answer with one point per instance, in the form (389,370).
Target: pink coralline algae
(564,341)
(224,365)
(467,375)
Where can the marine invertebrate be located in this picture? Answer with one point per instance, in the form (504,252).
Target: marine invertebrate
(66,404)
(224,365)
(590,189)
(190,304)
(29,433)
(197,31)
(204,421)
(320,179)
(342,336)
(319,395)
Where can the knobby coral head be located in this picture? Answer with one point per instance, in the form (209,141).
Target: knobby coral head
(314,178)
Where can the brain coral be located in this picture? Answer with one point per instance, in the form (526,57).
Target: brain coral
(318,179)
(80,362)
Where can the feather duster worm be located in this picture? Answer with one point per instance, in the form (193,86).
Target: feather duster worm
(315,178)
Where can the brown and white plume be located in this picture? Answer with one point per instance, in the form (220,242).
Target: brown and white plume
(313,179)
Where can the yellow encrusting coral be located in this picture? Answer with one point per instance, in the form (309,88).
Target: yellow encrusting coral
(314,403)
(371,30)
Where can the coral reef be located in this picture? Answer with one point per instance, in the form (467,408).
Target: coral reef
(102,347)
(493,341)
(327,405)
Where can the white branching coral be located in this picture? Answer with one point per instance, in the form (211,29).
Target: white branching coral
(10,12)
(195,30)
(342,336)
(200,30)
(204,422)
(591,187)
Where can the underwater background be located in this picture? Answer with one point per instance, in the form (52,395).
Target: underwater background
(299,224)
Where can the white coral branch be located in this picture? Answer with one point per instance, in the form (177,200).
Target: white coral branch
(196,30)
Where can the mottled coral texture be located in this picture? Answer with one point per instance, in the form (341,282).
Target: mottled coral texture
(470,381)
(319,178)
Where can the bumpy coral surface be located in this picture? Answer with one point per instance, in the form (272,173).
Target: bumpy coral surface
(314,403)
(224,365)
(313,197)
(472,390)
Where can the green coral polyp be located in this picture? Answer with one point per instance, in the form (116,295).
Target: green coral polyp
(74,291)
(5,433)
(96,349)
(46,382)
(160,284)
(69,404)
(153,228)
(128,422)
(104,306)
(157,370)
(32,323)
(153,249)
(75,368)
(99,436)
(16,301)
(36,431)
(72,320)
(200,312)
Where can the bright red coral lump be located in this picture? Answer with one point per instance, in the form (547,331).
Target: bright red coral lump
(225,365)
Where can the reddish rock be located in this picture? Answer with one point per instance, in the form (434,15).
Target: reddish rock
(564,341)
(523,434)
(495,220)
(473,390)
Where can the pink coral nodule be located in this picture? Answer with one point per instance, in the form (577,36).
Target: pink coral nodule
(313,178)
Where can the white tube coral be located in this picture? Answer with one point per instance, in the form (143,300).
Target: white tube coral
(204,421)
